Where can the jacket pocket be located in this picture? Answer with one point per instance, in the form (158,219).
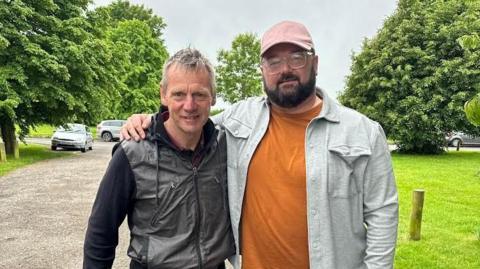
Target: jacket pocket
(221,180)
(171,201)
(222,193)
(342,179)
(239,134)
(212,188)
(237,129)
(138,249)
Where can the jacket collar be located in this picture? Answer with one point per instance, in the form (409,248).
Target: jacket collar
(329,108)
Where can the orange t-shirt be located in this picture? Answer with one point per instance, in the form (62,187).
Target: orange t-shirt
(274,218)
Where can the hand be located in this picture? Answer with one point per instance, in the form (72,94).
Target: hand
(135,127)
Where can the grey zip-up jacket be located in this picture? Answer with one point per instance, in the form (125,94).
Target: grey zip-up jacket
(352,202)
(175,200)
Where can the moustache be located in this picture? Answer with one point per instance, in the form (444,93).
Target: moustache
(288,77)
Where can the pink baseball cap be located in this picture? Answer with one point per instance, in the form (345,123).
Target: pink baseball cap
(286,32)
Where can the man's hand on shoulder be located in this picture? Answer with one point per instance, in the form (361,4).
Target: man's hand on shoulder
(135,127)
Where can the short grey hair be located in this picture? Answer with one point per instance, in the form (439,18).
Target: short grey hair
(192,60)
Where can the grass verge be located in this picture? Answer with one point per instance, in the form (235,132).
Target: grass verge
(46,131)
(29,154)
(451,212)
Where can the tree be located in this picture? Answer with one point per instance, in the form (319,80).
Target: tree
(52,70)
(472,107)
(135,33)
(472,110)
(238,74)
(122,10)
(414,76)
(141,76)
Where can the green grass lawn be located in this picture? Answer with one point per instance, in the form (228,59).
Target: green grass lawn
(451,212)
(42,130)
(45,130)
(29,154)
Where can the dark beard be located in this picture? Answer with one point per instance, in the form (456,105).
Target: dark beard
(294,98)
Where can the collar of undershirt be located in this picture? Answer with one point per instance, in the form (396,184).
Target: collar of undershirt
(314,111)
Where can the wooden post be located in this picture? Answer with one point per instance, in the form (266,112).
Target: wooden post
(3,154)
(16,150)
(416,216)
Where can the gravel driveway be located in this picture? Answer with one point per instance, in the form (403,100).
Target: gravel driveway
(44,210)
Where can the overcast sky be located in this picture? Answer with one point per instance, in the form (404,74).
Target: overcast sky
(337,27)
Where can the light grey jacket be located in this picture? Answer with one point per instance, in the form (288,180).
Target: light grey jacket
(352,202)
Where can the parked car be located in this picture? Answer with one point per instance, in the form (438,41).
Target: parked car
(72,136)
(458,138)
(109,130)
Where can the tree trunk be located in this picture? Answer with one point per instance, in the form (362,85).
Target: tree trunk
(9,138)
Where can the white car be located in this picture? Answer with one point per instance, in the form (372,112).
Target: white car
(72,136)
(109,130)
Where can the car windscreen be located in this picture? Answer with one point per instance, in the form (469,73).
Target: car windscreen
(71,128)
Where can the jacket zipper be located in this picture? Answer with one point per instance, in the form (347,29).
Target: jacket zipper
(198,226)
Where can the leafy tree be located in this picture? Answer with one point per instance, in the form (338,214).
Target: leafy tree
(142,74)
(52,70)
(472,107)
(122,10)
(135,34)
(238,74)
(414,76)
(472,110)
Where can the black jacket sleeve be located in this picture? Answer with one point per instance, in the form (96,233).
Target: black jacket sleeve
(113,201)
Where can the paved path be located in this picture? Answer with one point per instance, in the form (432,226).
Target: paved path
(44,210)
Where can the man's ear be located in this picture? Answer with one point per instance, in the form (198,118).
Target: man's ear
(315,64)
(163,96)
(214,100)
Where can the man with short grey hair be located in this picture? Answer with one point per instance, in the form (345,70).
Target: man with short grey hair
(172,185)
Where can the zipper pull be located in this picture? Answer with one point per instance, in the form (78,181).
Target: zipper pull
(195,171)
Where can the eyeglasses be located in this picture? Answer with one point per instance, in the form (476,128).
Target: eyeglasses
(295,60)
